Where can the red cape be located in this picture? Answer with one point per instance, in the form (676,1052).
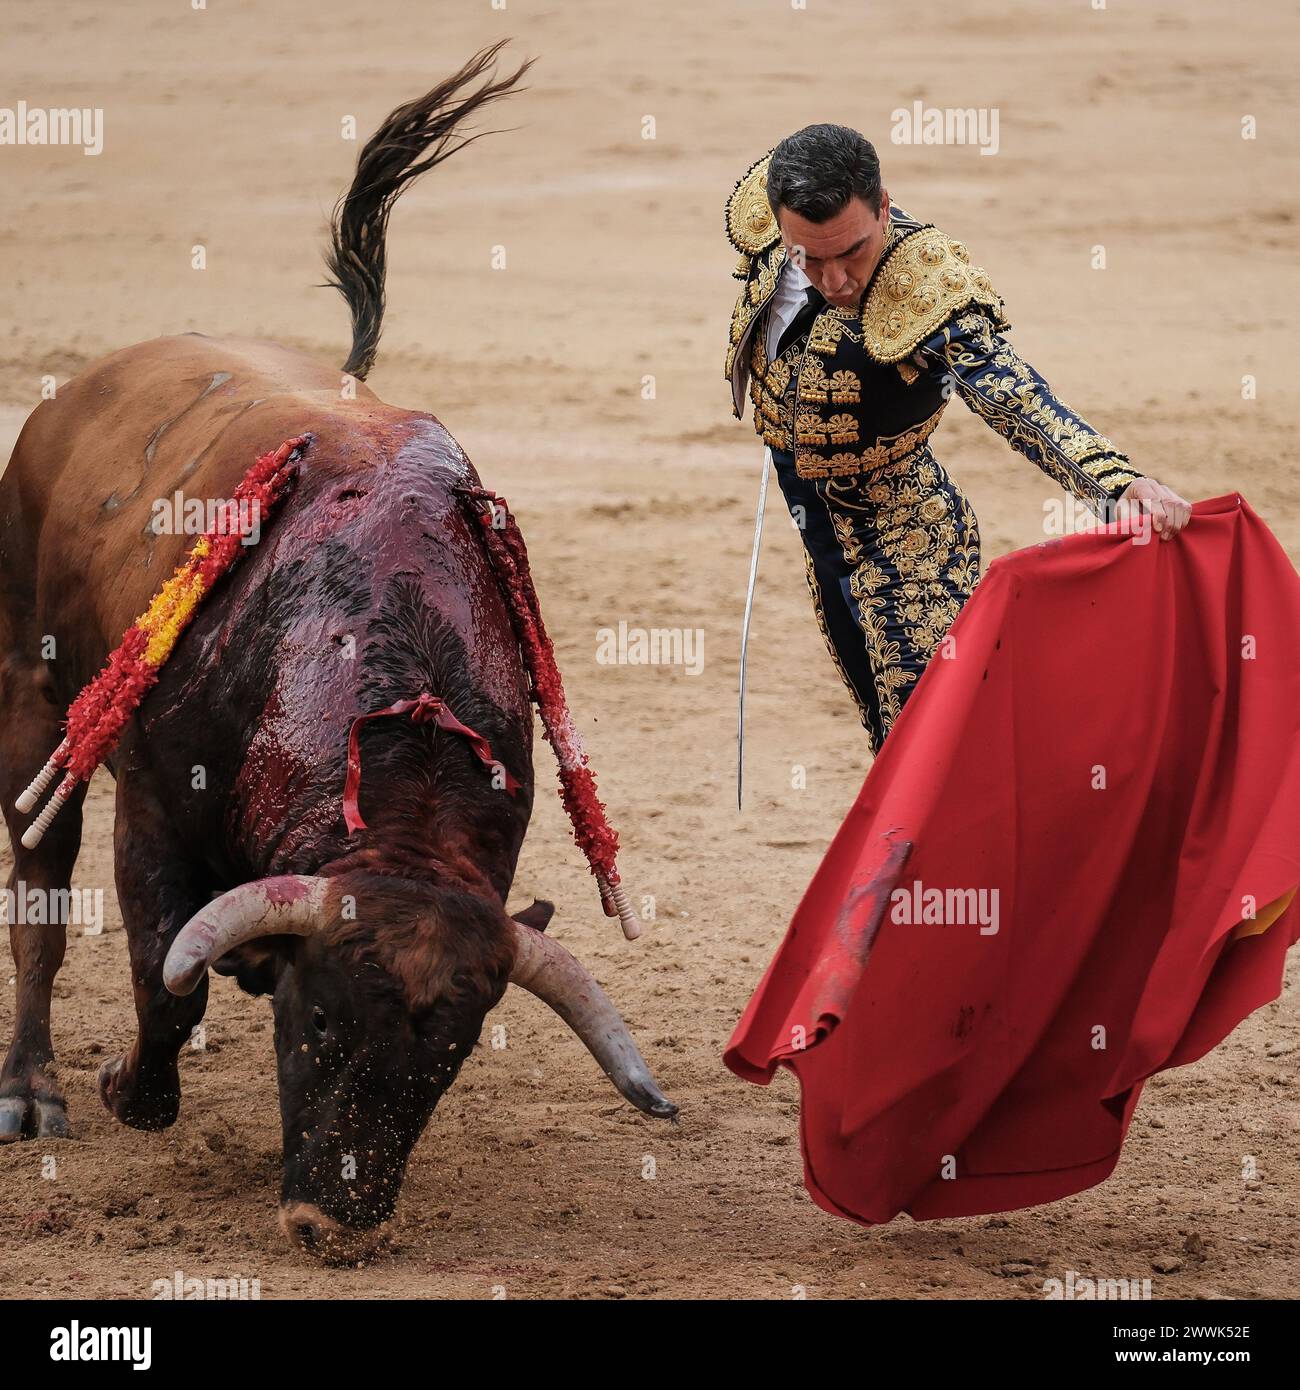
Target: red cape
(1114,747)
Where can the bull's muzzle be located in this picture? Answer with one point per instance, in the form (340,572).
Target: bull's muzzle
(308,1229)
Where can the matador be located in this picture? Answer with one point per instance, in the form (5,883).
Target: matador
(854,325)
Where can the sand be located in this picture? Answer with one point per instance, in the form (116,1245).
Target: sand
(222,128)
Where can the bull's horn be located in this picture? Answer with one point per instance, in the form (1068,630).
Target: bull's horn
(286,906)
(546,969)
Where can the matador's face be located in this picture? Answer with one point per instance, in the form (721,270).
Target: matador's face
(838,255)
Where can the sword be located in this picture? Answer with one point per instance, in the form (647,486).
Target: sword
(744,631)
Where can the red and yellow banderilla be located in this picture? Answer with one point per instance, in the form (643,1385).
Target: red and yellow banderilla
(98,715)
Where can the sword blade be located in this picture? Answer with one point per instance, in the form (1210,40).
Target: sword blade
(744,631)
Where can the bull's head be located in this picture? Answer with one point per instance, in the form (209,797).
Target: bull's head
(380,987)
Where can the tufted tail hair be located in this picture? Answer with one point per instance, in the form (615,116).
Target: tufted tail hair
(412,140)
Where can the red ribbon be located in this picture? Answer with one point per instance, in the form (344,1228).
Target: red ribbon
(424,709)
(509,556)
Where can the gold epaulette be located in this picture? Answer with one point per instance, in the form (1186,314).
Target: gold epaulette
(751,225)
(925,280)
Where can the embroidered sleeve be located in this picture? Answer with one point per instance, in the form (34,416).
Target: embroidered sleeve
(1011,397)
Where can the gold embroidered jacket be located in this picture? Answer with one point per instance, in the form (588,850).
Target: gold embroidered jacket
(870,384)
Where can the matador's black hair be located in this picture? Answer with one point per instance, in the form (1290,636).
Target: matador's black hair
(815,172)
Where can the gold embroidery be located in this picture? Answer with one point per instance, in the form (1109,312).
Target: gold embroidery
(867,585)
(813,384)
(842,387)
(884,653)
(809,428)
(1105,463)
(886,451)
(917,288)
(842,429)
(849,543)
(846,388)
(752,299)
(828,328)
(778,374)
(964,570)
(751,224)
(920,555)
(1010,398)
(931,538)
(934,508)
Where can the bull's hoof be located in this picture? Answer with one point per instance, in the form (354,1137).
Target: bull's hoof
(140,1104)
(33,1116)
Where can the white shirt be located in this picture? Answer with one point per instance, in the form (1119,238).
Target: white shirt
(791,296)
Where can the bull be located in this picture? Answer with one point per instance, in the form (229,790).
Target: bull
(384,948)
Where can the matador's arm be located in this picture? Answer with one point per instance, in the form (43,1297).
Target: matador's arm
(1011,397)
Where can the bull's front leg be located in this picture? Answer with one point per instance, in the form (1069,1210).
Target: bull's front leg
(158,893)
(31,1103)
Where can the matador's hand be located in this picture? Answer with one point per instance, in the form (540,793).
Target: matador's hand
(1169,512)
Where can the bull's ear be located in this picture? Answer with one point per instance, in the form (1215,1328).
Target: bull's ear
(538,916)
(256,964)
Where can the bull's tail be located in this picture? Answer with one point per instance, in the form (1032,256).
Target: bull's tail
(414,138)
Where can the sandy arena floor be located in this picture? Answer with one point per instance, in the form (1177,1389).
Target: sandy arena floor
(1120,127)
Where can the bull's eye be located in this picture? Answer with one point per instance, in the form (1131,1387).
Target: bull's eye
(318,1020)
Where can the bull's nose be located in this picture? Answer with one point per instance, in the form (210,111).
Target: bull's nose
(314,1233)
